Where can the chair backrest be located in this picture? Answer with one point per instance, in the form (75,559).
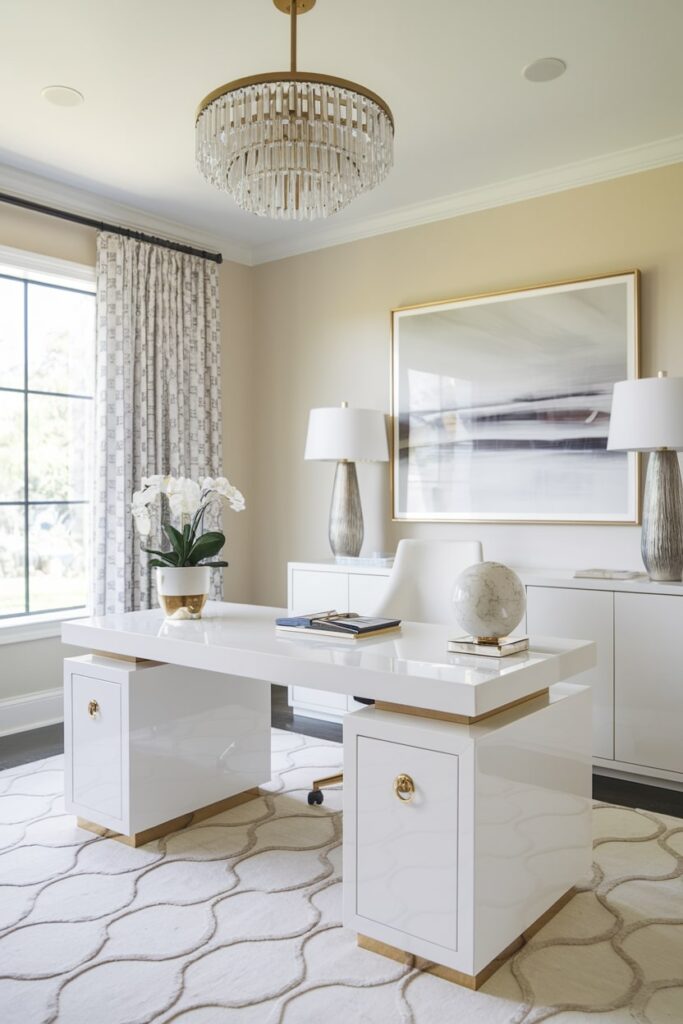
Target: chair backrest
(422,579)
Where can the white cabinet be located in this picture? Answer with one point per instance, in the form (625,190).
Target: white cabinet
(96,729)
(649,681)
(145,743)
(498,829)
(313,590)
(322,586)
(637,684)
(403,878)
(582,615)
(366,592)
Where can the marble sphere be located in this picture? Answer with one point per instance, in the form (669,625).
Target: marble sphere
(488,600)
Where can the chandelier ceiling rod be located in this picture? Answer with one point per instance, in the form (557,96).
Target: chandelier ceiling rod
(292,35)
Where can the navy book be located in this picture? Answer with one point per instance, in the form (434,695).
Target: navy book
(341,624)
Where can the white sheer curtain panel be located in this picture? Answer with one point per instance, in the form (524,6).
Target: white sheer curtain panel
(158,399)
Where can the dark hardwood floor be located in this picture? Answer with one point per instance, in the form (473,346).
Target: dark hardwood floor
(36,744)
(32,745)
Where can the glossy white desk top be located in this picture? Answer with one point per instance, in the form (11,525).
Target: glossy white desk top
(411,667)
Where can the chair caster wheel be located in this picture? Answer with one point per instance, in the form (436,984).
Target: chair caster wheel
(315,797)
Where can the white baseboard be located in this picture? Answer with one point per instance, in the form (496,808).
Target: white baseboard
(664,780)
(31,711)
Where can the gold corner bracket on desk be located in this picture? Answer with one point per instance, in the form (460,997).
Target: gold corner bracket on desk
(130,659)
(447,716)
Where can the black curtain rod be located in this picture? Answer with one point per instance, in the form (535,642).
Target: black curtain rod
(76,218)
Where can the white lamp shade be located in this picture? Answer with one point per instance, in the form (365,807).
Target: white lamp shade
(647,414)
(357,435)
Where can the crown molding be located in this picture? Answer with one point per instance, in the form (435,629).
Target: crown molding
(38,189)
(514,190)
(556,179)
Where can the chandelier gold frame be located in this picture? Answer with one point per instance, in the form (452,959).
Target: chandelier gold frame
(293,75)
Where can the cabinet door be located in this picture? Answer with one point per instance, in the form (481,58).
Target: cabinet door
(318,700)
(582,615)
(407,853)
(649,680)
(366,592)
(319,591)
(314,591)
(96,745)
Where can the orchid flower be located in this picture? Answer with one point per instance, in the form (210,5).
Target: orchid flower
(187,499)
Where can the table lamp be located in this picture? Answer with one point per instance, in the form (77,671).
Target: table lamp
(647,416)
(346,436)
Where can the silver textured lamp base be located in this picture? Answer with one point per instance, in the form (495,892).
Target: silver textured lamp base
(661,543)
(346,515)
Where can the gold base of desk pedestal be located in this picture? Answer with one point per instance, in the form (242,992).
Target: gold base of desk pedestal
(472,981)
(175,824)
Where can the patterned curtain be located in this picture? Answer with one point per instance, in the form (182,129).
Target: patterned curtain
(158,399)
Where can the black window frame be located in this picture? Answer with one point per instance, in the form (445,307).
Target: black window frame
(26,504)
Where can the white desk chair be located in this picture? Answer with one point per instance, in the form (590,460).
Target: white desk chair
(420,588)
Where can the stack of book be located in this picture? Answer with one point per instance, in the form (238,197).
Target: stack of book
(337,625)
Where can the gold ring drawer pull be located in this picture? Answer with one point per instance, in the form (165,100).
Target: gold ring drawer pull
(93,708)
(404,788)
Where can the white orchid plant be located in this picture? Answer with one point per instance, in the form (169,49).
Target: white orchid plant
(188,502)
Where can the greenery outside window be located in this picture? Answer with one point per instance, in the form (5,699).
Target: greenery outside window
(47,373)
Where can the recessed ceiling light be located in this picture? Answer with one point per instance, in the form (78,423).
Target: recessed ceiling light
(62,95)
(545,69)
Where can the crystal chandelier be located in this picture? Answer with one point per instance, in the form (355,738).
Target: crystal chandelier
(293,145)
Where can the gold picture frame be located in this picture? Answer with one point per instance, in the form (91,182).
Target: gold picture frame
(478,415)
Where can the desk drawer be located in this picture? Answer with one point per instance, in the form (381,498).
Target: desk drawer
(407,852)
(96,745)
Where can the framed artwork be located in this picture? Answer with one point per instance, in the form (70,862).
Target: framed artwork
(501,405)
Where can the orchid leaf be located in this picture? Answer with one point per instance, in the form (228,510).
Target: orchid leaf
(169,557)
(176,539)
(215,565)
(206,546)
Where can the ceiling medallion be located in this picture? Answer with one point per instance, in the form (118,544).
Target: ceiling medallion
(292,145)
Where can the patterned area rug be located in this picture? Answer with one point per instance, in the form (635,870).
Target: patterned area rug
(239,920)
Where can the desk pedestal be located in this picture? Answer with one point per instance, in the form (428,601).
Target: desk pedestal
(460,840)
(151,748)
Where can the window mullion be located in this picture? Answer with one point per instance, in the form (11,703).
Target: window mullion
(27,594)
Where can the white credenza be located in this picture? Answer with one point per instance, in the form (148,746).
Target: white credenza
(638,682)
(318,586)
(637,685)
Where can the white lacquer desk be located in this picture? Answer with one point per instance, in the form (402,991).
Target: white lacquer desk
(483,837)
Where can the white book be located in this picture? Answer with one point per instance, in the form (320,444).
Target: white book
(606,574)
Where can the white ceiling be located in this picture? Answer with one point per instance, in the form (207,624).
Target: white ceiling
(466,119)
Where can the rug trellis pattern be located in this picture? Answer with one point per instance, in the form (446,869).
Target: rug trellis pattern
(238,921)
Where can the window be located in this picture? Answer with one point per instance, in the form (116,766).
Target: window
(47,372)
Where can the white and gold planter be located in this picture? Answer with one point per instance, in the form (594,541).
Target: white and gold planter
(183,591)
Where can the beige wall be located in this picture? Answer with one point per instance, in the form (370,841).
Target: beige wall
(27,667)
(322,335)
(314,329)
